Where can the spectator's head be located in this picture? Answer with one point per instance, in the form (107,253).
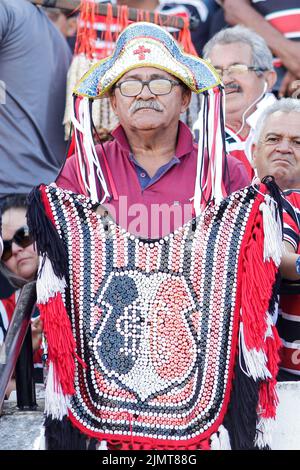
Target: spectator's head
(244,62)
(148,77)
(276,148)
(19,260)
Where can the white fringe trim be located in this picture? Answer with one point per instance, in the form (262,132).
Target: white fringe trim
(272,231)
(264,430)
(83,125)
(48,284)
(255,361)
(56,403)
(220,440)
(102,446)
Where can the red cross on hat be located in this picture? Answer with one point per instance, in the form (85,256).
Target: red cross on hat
(141,51)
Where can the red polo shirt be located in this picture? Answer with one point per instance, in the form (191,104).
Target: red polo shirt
(162,206)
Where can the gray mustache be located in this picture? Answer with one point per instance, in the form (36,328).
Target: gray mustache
(232,86)
(145,105)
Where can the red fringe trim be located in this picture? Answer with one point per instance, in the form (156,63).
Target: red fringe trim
(268,398)
(61,344)
(185,39)
(86,33)
(258,278)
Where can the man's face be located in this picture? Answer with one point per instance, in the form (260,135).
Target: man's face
(278,151)
(147,111)
(241,89)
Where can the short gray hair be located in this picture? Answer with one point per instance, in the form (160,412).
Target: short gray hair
(285,105)
(261,54)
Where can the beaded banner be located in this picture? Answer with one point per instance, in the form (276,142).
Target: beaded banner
(155,323)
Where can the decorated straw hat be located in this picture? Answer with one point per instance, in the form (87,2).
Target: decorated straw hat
(147,45)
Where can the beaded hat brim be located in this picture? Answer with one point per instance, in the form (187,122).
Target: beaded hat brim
(147,45)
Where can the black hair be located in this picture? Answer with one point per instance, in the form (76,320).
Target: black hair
(15,201)
(12,201)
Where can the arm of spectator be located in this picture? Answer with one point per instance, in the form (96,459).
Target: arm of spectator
(3,22)
(241,12)
(288,263)
(289,85)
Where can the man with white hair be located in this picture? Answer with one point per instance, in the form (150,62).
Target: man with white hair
(276,152)
(244,61)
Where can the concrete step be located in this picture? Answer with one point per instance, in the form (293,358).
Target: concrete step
(19,429)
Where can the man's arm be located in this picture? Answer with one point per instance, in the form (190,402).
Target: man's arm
(4,21)
(288,263)
(241,12)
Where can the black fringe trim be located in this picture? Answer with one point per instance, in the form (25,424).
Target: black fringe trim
(241,417)
(62,435)
(275,193)
(45,235)
(274,301)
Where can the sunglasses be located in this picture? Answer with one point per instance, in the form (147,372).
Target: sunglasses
(21,238)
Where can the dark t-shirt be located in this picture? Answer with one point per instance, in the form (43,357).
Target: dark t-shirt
(34,60)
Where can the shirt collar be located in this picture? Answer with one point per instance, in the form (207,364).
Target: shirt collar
(184,146)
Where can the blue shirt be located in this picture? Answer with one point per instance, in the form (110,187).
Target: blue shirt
(144,179)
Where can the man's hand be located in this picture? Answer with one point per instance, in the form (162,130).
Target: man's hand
(290,57)
(289,86)
(36,333)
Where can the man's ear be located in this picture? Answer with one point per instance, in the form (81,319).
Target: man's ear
(254,155)
(113,103)
(271,77)
(186,99)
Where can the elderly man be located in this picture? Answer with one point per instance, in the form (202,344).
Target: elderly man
(154,150)
(244,61)
(143,323)
(276,152)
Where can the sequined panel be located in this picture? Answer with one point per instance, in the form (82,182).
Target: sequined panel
(155,321)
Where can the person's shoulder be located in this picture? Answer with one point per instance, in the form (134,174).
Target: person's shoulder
(293,197)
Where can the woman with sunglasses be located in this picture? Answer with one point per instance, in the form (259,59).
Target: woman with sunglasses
(19,263)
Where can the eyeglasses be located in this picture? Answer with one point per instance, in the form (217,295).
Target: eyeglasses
(21,238)
(238,69)
(157,86)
